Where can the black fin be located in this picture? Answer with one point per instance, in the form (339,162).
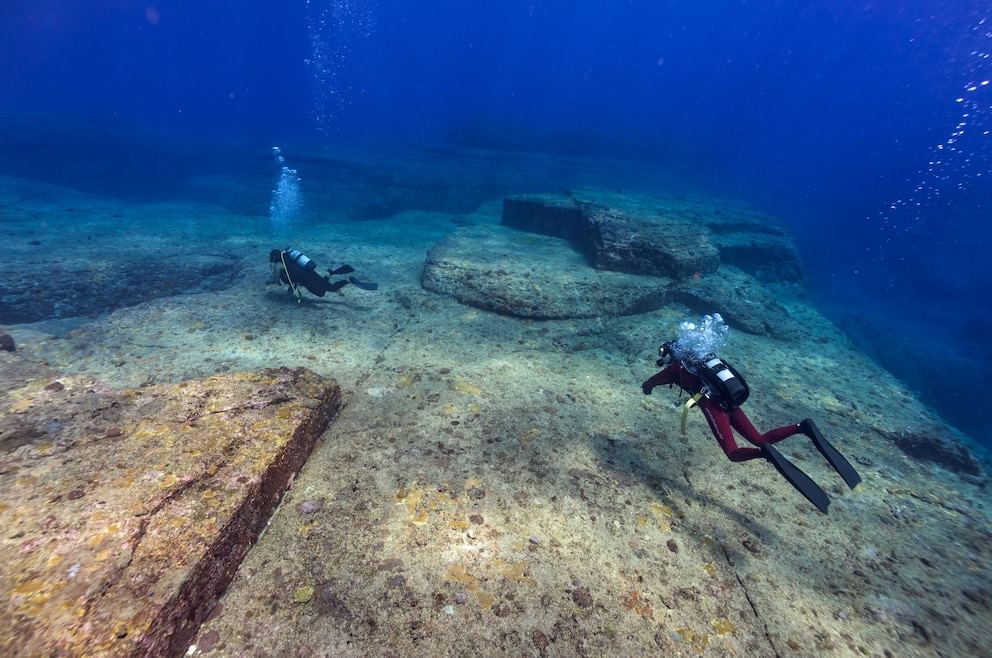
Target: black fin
(364,285)
(337,285)
(797,478)
(830,453)
(344,269)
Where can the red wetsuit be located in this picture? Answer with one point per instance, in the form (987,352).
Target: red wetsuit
(721,420)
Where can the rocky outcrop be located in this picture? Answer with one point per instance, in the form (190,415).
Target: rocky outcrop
(660,235)
(607,253)
(938,445)
(87,286)
(534,276)
(625,243)
(742,300)
(127,512)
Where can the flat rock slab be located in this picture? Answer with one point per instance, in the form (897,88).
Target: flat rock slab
(126,513)
(535,276)
(661,234)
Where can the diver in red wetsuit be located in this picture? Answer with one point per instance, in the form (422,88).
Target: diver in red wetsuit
(719,390)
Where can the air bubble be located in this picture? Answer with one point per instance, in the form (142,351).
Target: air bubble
(334,25)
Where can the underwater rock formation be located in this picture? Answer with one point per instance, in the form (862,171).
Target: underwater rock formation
(128,512)
(753,241)
(88,286)
(534,276)
(613,239)
(607,253)
(663,236)
(743,300)
(938,445)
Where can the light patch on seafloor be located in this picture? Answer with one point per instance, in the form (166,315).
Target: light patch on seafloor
(468,388)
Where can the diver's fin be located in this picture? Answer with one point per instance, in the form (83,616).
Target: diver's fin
(344,269)
(797,478)
(364,285)
(830,453)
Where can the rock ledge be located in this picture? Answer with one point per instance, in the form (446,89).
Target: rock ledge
(126,513)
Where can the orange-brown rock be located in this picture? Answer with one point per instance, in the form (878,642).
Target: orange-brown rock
(125,513)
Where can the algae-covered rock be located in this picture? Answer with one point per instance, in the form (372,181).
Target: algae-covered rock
(126,513)
(591,253)
(616,239)
(549,214)
(649,245)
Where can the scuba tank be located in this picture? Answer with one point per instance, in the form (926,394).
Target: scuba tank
(721,382)
(300,259)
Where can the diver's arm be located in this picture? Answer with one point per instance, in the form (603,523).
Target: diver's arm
(666,376)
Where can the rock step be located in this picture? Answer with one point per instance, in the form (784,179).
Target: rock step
(127,513)
(658,235)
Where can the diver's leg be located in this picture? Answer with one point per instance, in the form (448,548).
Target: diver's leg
(720,426)
(741,423)
(720,422)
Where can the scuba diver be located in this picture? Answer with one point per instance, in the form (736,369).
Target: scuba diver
(719,390)
(292,267)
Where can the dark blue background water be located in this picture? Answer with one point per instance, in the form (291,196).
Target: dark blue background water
(843,119)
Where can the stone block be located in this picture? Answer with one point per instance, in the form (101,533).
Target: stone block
(126,513)
(651,246)
(548,214)
(768,257)
(661,234)
(743,301)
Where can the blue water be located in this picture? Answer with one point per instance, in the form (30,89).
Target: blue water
(863,125)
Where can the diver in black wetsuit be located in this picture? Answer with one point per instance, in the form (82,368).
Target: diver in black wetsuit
(292,267)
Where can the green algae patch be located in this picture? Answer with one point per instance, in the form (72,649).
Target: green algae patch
(124,532)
